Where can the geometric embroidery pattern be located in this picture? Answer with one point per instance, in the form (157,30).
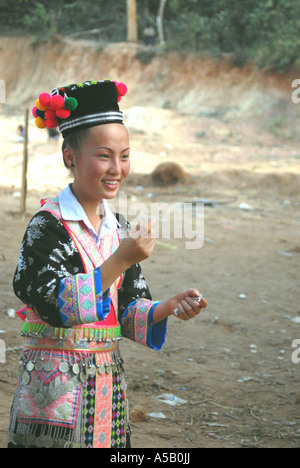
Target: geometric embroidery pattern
(135,320)
(118,420)
(102,426)
(110,434)
(80,299)
(89,395)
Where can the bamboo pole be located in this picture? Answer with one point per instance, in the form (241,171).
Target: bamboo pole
(24,167)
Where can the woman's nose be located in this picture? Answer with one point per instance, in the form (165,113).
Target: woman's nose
(114,167)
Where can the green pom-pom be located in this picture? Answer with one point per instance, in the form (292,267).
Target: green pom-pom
(71,103)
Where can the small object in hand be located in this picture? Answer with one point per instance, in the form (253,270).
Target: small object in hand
(198,299)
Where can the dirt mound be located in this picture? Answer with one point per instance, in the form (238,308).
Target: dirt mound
(170,173)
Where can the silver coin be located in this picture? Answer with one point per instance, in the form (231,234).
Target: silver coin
(25,440)
(26,378)
(36,384)
(101,369)
(39,442)
(43,404)
(64,367)
(70,386)
(61,389)
(108,368)
(47,441)
(76,369)
(48,366)
(92,370)
(83,376)
(30,366)
(32,391)
(39,365)
(54,394)
(31,439)
(39,398)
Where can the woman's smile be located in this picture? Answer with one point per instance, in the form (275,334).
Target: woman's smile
(111,184)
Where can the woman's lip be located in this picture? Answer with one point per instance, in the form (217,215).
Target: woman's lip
(111,183)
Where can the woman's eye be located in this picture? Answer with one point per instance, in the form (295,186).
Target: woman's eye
(125,157)
(104,156)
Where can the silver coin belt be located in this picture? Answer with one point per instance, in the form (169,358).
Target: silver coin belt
(78,372)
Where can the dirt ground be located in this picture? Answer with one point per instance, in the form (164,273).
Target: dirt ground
(232,365)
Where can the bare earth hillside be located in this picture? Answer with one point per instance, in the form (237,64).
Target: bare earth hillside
(235,134)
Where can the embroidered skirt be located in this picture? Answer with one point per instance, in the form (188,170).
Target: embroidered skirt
(70,396)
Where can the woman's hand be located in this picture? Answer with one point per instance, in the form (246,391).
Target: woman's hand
(189,304)
(184,306)
(137,246)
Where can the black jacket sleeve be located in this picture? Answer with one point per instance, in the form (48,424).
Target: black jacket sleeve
(47,255)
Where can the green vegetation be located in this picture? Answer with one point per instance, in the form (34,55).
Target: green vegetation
(264,32)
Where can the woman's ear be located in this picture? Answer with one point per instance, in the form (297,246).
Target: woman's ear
(69,157)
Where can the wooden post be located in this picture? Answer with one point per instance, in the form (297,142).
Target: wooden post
(159,21)
(132,30)
(24,166)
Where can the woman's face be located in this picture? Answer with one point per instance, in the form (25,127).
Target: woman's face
(101,163)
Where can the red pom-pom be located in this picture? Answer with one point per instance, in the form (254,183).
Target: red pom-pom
(57,102)
(34,112)
(45,99)
(50,114)
(121,88)
(51,123)
(63,113)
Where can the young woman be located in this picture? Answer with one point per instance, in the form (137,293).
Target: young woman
(80,279)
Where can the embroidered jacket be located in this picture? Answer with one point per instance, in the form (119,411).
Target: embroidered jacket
(51,279)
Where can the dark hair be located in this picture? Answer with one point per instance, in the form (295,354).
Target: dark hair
(74,141)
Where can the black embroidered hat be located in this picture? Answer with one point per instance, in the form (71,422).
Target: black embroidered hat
(79,106)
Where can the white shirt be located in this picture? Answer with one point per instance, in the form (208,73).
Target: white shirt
(71,210)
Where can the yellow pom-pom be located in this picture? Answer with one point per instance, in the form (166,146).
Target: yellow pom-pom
(40,123)
(39,106)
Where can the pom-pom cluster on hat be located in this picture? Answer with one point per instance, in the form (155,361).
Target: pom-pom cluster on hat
(48,108)
(79,106)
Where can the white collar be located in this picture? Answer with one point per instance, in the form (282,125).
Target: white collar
(72,210)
